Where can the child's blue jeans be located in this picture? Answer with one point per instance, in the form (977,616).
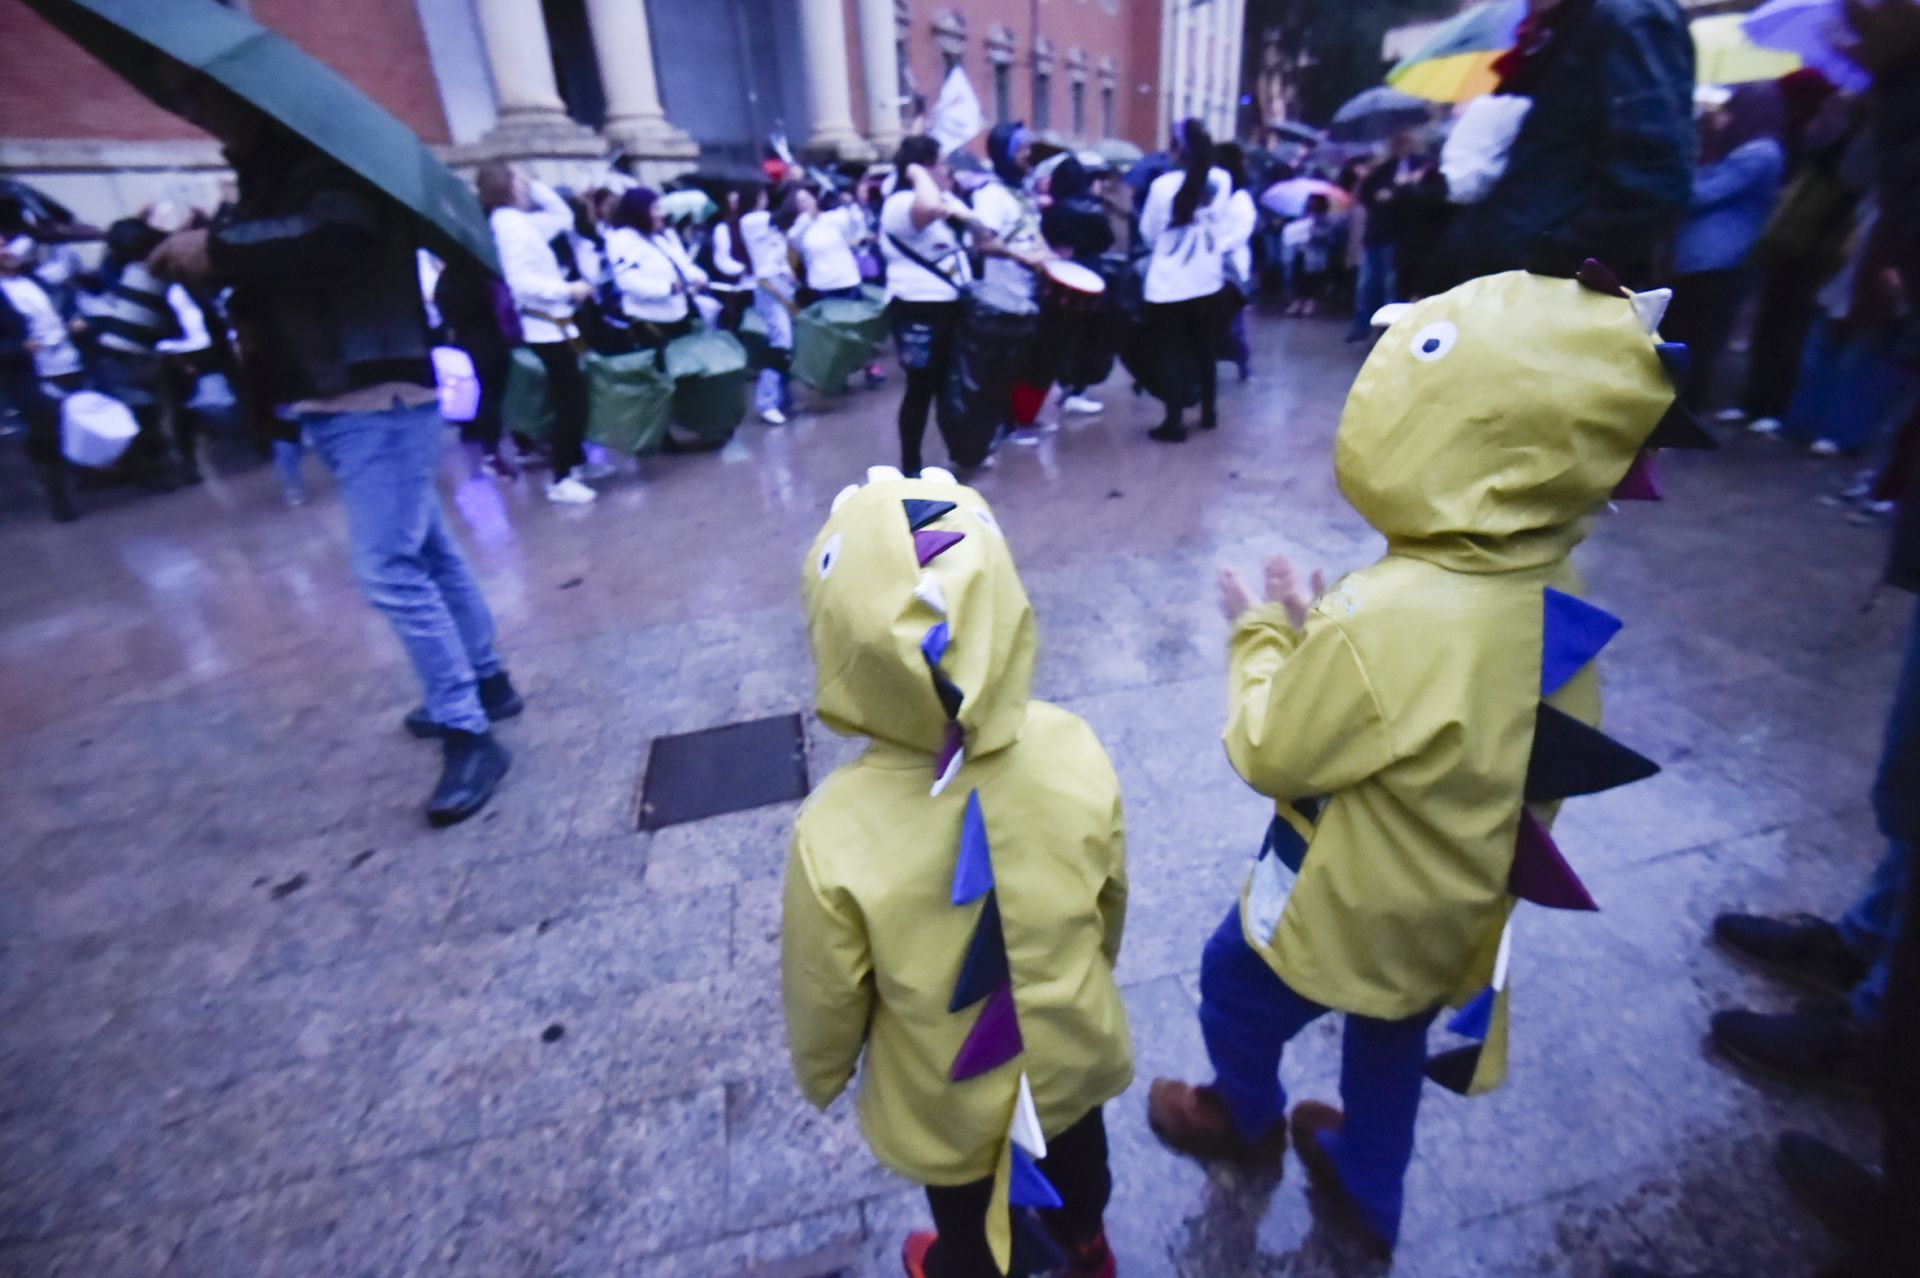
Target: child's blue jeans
(1247,1014)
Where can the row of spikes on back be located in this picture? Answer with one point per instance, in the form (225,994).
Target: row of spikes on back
(1678,428)
(986,975)
(1568,759)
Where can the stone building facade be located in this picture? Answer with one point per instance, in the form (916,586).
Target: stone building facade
(564,85)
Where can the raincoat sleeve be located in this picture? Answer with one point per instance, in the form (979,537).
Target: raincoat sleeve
(1112,902)
(1302,719)
(826,979)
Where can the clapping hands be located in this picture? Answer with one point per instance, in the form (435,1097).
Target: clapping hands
(1283,588)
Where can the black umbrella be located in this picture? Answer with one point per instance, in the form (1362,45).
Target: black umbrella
(1378,114)
(149,43)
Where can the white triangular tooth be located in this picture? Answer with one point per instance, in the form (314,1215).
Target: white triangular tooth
(845,495)
(1501,957)
(1025,1131)
(876,474)
(1386,315)
(953,770)
(1651,307)
(938,475)
(930,593)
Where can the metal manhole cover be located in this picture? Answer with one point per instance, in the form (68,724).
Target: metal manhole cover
(731,768)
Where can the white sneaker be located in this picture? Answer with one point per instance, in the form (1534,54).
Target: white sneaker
(570,492)
(592,470)
(1730,415)
(1824,448)
(773,417)
(1081,404)
(1764,426)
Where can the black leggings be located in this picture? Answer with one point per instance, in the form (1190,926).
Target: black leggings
(1189,333)
(568,387)
(1076,1165)
(923,336)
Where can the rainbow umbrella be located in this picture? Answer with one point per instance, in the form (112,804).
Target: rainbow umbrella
(1456,62)
(1723,53)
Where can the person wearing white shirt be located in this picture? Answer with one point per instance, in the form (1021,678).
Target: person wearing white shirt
(32,338)
(825,242)
(655,277)
(525,217)
(758,248)
(1185,221)
(1005,209)
(927,270)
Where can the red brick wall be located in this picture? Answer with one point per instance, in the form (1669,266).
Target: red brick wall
(1131,36)
(50,88)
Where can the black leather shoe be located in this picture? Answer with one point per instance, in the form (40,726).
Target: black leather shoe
(1169,433)
(474,764)
(497,698)
(1801,948)
(1819,1047)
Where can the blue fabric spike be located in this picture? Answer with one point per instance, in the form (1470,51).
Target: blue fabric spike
(1476,1017)
(1029,1188)
(973,871)
(1677,360)
(934,646)
(985,969)
(1572,634)
(921,512)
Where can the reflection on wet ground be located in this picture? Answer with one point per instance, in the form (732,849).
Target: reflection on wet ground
(261,1020)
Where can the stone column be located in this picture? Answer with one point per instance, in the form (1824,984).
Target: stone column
(623,46)
(823,29)
(521,60)
(880,60)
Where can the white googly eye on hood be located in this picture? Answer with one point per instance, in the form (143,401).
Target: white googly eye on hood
(987,521)
(829,556)
(1434,341)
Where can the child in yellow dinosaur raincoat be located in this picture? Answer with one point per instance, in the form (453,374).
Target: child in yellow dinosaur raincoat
(1418,723)
(955,897)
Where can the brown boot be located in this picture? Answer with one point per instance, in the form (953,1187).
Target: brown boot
(1311,1120)
(1194,1120)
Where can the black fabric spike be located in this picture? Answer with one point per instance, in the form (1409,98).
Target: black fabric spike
(1569,758)
(921,512)
(984,970)
(1454,1069)
(1594,274)
(950,696)
(1034,1248)
(1681,429)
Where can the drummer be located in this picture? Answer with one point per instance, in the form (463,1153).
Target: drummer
(927,274)
(1076,227)
(1006,209)
(754,246)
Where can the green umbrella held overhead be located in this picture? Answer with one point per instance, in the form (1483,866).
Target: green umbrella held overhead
(152,44)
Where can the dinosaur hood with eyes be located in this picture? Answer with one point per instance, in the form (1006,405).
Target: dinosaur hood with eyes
(955,896)
(1420,730)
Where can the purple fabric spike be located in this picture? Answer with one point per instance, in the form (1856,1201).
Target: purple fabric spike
(994,1039)
(1640,483)
(1476,1017)
(955,739)
(1594,274)
(973,871)
(934,646)
(1540,874)
(1573,632)
(1028,1188)
(930,543)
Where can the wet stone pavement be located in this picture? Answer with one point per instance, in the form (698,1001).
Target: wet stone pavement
(261,1021)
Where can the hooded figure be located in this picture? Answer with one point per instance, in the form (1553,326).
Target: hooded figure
(955,897)
(1419,729)
(1005,207)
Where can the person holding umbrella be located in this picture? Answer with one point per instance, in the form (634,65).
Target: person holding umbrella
(327,298)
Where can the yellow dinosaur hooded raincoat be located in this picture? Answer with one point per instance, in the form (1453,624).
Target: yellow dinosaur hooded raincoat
(1398,728)
(978,1041)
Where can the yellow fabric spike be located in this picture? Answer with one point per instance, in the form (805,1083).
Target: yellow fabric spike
(999,1214)
(1491,1070)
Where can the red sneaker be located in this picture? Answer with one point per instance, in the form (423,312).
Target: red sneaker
(914,1255)
(1090,1259)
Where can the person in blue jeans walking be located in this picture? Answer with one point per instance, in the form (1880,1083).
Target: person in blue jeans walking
(1384,196)
(327,300)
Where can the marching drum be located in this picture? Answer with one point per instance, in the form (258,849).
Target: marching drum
(1071,287)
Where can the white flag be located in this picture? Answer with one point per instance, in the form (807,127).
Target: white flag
(957,117)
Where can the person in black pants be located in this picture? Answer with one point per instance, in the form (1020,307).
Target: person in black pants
(926,272)
(1076,1165)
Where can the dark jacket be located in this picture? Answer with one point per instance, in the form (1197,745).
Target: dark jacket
(1897,124)
(1603,165)
(326,289)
